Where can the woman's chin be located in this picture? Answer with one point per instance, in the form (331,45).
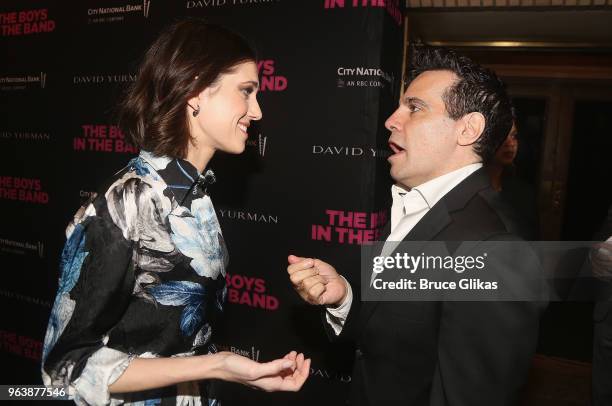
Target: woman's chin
(236,150)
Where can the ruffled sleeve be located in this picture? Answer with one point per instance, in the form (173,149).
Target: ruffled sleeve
(95,287)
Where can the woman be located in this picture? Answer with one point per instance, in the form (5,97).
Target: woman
(517,193)
(502,164)
(143,268)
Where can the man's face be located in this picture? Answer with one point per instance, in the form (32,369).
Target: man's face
(423,137)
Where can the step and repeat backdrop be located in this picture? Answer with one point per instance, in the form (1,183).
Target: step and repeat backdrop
(329,72)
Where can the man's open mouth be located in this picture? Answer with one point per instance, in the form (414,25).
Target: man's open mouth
(395,148)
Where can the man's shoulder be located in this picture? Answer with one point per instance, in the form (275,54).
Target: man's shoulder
(485,216)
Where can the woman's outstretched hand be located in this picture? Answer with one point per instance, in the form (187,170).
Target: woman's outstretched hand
(286,374)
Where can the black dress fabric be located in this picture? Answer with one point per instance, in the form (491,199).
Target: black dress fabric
(142,275)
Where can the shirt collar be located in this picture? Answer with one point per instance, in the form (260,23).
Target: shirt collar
(157,162)
(435,189)
(183,179)
(426,195)
(175,170)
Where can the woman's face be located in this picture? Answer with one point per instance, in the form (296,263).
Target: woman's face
(226,110)
(507,151)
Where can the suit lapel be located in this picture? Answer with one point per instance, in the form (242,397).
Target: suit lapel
(431,224)
(437,219)
(426,229)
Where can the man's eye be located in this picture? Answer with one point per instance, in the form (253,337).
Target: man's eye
(413,108)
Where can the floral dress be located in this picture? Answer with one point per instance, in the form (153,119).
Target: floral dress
(142,275)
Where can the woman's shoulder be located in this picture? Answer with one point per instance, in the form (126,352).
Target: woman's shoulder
(128,198)
(137,183)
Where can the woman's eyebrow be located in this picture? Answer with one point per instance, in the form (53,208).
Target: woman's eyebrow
(251,82)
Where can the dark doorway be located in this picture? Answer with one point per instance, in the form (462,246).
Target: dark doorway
(589,184)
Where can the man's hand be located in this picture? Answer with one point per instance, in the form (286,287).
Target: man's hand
(286,374)
(317,282)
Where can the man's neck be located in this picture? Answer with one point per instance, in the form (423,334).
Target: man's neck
(436,176)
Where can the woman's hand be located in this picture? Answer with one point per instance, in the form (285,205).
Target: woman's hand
(286,374)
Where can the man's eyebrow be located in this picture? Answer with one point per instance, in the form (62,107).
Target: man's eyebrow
(415,100)
(251,82)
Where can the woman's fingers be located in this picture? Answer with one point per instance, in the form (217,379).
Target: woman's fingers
(301,372)
(275,367)
(291,355)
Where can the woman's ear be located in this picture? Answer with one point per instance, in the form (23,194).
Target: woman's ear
(195,103)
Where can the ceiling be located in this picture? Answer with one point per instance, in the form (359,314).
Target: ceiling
(526,27)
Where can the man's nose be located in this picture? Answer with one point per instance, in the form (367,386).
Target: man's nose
(392,123)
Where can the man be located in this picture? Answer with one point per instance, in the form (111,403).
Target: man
(451,119)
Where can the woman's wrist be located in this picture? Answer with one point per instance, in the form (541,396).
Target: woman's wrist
(211,366)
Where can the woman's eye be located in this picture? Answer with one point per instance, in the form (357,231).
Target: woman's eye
(247,91)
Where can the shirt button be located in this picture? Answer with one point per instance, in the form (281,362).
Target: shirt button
(358,353)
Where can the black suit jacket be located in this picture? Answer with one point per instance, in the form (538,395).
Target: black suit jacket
(446,353)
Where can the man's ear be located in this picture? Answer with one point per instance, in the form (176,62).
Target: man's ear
(473,125)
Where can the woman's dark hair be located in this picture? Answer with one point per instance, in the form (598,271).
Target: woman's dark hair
(187,57)
(477,89)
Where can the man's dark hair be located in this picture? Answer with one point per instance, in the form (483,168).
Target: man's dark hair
(477,89)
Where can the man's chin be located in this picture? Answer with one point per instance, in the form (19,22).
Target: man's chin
(394,172)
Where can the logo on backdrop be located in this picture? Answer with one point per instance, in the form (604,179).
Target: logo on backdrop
(113,14)
(252,353)
(23,346)
(344,377)
(22,82)
(22,247)
(360,76)
(249,291)
(350,151)
(86,194)
(26,22)
(103,79)
(24,298)
(102,138)
(350,227)
(391,6)
(23,189)
(246,215)
(270,80)
(25,136)
(190,4)
(260,143)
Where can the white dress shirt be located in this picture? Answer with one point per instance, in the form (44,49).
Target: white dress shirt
(408,208)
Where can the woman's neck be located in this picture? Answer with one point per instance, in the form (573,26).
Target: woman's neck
(199,157)
(495,173)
